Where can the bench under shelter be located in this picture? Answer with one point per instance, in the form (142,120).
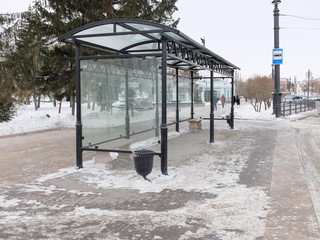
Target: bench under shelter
(123,83)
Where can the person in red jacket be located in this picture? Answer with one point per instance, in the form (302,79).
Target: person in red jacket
(223,100)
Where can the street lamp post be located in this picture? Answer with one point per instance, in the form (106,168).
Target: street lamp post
(277,93)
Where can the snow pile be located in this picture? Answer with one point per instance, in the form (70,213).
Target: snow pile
(246,111)
(45,118)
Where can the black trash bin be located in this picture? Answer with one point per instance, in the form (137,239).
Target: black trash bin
(143,161)
(228,117)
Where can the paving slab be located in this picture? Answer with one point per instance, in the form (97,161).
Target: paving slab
(292,214)
(249,184)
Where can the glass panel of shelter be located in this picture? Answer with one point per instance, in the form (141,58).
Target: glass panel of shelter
(222,97)
(120,98)
(115,42)
(184,98)
(99,93)
(174,36)
(107,28)
(142,27)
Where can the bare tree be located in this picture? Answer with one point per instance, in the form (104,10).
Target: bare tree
(240,86)
(258,91)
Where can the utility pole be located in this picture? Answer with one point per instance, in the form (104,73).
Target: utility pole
(277,93)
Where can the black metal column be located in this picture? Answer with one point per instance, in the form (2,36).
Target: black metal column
(157,98)
(273,95)
(78,99)
(128,103)
(232,101)
(277,93)
(192,112)
(211,108)
(164,127)
(177,100)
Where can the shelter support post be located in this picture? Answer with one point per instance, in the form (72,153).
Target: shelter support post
(232,101)
(211,108)
(177,100)
(128,104)
(78,99)
(192,112)
(164,127)
(157,100)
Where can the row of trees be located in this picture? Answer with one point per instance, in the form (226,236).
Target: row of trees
(33,63)
(257,90)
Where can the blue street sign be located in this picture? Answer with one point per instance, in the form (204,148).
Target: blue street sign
(277,56)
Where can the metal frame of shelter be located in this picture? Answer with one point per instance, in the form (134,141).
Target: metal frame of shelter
(133,38)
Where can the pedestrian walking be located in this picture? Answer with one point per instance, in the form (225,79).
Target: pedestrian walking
(215,101)
(223,100)
(238,100)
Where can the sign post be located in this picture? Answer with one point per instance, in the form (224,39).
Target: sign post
(277,61)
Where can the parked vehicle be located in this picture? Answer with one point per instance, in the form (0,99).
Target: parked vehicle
(313,98)
(317,97)
(297,99)
(292,99)
(287,98)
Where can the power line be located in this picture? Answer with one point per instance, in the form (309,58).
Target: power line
(295,28)
(305,18)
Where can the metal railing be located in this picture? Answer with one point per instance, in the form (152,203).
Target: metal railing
(294,108)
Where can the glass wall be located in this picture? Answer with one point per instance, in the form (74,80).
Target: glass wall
(184,98)
(171,98)
(222,97)
(119,98)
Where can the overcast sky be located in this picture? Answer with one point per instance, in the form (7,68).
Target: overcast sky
(241,31)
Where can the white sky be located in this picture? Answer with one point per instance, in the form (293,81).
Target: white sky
(241,31)
(11,6)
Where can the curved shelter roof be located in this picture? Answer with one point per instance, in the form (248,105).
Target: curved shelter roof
(141,37)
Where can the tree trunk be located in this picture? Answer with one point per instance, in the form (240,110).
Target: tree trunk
(60,105)
(54,102)
(260,104)
(73,105)
(35,102)
(28,100)
(39,98)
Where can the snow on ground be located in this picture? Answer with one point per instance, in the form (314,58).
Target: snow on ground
(46,117)
(235,207)
(246,111)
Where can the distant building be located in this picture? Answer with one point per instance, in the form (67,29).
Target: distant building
(221,86)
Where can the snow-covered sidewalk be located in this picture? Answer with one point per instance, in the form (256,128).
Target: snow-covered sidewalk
(213,191)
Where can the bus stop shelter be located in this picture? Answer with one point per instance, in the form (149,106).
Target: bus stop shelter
(122,81)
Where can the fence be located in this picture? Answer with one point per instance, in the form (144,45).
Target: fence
(294,108)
